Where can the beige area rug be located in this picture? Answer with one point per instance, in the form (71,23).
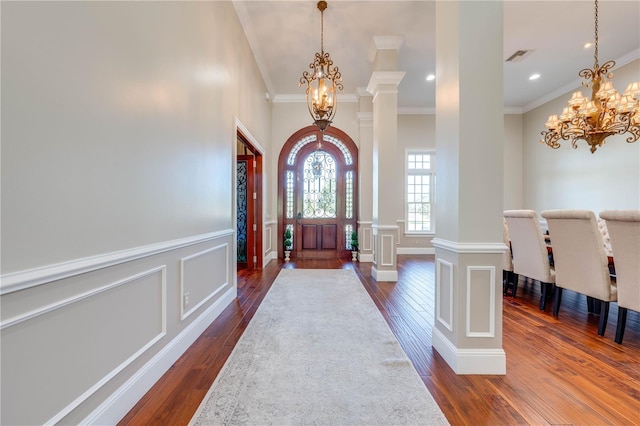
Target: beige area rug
(318,352)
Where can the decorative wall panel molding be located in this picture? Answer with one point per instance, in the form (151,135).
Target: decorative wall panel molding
(480,285)
(84,333)
(202,276)
(444,280)
(32,277)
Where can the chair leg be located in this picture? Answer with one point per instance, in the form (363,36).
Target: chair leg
(604,315)
(590,305)
(545,292)
(514,280)
(622,322)
(557,300)
(597,306)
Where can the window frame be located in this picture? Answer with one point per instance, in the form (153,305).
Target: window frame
(432,190)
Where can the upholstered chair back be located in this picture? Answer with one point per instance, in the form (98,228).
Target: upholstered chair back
(624,231)
(579,255)
(507,259)
(530,256)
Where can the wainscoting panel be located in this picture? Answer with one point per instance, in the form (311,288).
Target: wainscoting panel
(86,347)
(387,255)
(98,332)
(481,320)
(203,277)
(444,278)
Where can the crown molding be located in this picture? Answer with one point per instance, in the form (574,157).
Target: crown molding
(620,62)
(384,77)
(297,98)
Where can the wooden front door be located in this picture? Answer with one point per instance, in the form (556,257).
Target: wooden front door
(317,185)
(319,207)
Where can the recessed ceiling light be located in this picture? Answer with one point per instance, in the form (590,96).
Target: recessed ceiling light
(588,45)
(534,76)
(431,77)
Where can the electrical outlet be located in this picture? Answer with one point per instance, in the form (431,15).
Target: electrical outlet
(186,299)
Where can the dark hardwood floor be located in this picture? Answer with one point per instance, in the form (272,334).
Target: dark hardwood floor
(559,371)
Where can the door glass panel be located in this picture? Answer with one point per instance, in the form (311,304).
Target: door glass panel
(288,184)
(319,186)
(242,210)
(349,195)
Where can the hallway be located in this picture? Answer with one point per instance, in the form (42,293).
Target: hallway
(558,370)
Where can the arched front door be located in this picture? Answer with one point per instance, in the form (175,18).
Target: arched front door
(317,189)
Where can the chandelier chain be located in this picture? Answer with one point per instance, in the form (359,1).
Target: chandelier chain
(595,52)
(321,30)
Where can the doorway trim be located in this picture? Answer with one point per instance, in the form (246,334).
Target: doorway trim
(296,144)
(242,133)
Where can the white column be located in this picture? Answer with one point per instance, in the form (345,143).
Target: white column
(387,200)
(365,179)
(469,145)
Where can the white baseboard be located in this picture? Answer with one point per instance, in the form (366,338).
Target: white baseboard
(386,276)
(365,258)
(470,361)
(273,255)
(116,406)
(416,250)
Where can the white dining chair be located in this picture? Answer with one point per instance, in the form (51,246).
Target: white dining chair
(624,232)
(509,279)
(530,256)
(580,260)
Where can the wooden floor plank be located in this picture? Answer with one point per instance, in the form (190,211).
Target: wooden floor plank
(559,371)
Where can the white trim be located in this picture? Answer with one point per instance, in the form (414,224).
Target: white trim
(492,302)
(10,322)
(271,256)
(271,222)
(414,234)
(446,322)
(388,42)
(386,276)
(470,361)
(364,119)
(246,133)
(252,38)
(383,250)
(93,389)
(365,222)
(296,98)
(457,247)
(415,250)
(384,227)
(184,314)
(21,280)
(362,91)
(118,404)
(267,238)
(577,84)
(384,77)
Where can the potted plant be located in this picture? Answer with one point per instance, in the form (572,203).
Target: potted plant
(354,246)
(288,244)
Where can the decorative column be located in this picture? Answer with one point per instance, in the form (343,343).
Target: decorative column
(365,179)
(469,144)
(387,200)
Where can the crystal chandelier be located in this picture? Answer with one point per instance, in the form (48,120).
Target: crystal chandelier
(606,113)
(322,82)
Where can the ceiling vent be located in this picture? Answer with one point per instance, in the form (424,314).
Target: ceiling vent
(519,55)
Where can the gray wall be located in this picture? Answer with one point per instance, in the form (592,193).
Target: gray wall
(118,132)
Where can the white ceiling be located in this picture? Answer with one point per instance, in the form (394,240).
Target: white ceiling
(284,36)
